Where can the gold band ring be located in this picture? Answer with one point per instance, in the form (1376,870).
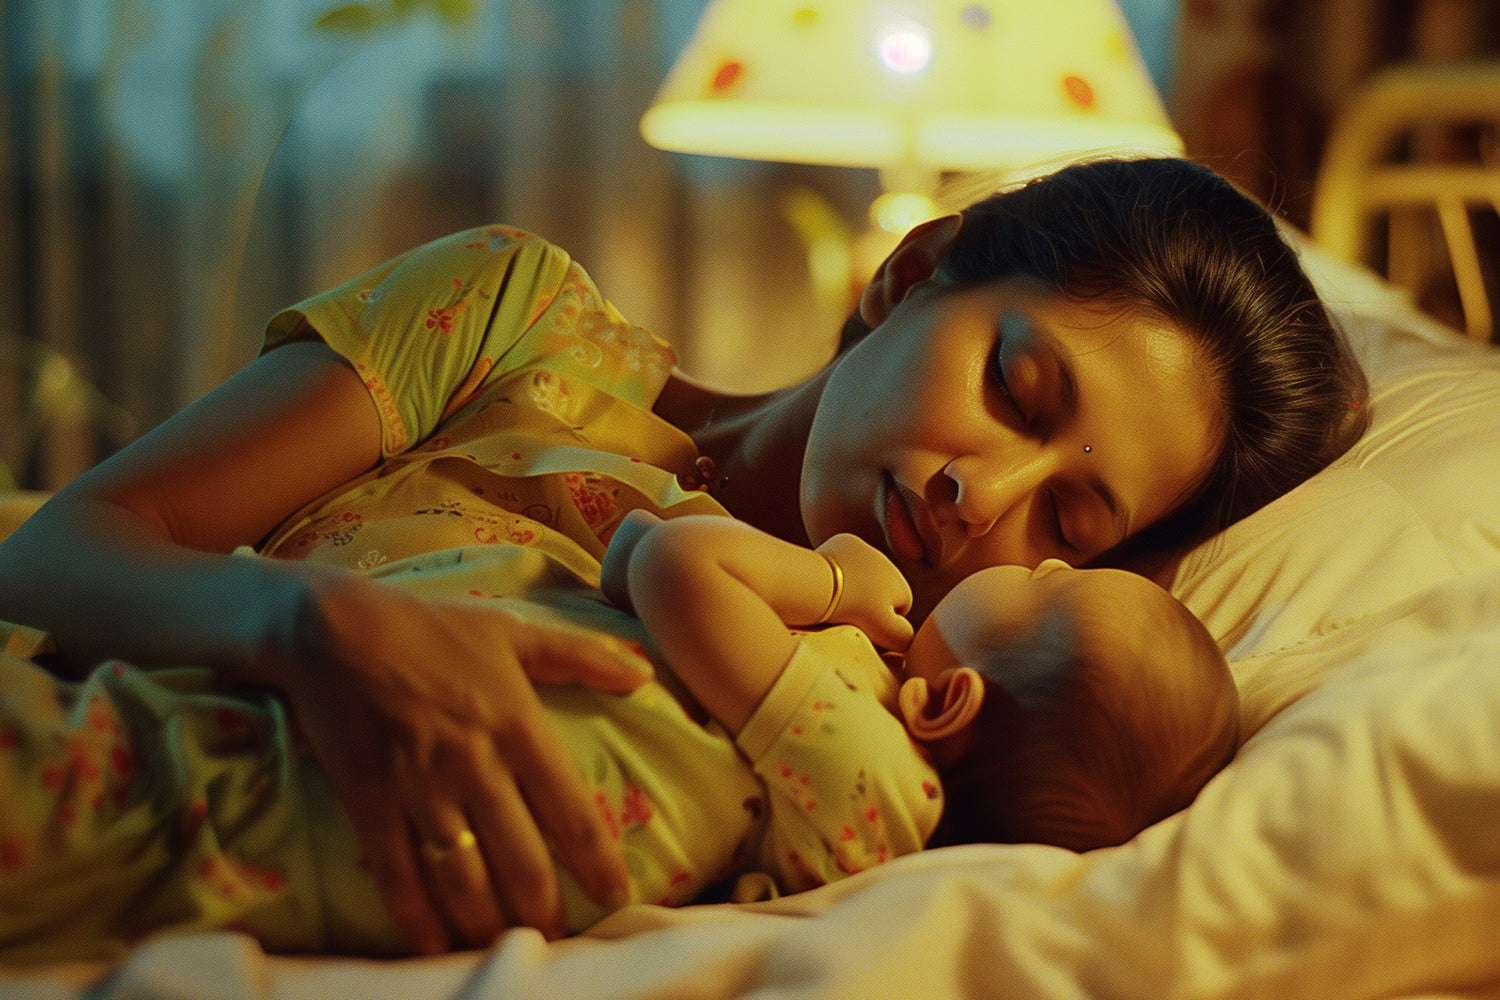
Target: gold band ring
(463,841)
(838,588)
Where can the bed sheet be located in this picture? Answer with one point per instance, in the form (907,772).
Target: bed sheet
(1351,851)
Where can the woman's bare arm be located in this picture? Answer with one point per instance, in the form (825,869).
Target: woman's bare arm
(125,561)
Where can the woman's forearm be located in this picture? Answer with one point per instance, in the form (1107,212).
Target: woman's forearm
(104,584)
(132,559)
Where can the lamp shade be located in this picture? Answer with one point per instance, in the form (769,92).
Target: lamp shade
(902,84)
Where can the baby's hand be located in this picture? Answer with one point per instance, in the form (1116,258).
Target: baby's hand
(876,596)
(614,575)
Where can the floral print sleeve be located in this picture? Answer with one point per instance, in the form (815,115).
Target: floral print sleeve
(429,329)
(847,788)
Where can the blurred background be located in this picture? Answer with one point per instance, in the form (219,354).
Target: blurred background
(174,171)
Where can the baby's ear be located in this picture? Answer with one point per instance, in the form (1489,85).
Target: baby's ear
(933,714)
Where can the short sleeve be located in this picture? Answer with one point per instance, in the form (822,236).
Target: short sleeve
(427,329)
(846,786)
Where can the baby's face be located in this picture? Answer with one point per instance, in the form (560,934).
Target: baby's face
(1054,608)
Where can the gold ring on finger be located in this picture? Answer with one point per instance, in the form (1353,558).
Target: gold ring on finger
(464,840)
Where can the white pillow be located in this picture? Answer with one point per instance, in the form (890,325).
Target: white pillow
(1414,503)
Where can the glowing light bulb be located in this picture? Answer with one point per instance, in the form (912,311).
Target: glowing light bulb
(898,211)
(905,47)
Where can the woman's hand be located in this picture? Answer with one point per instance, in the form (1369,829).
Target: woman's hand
(424,716)
(875,597)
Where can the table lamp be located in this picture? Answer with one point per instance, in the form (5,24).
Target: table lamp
(913,88)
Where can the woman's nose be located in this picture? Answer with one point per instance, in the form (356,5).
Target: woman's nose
(988,489)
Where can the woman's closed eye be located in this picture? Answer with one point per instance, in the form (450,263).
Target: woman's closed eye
(1008,345)
(1001,384)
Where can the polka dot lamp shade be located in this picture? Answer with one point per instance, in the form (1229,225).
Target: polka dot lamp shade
(1000,84)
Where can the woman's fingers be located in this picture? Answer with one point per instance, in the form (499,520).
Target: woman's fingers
(505,853)
(575,827)
(548,779)
(522,868)
(457,877)
(488,863)
(388,854)
(518,791)
(565,654)
(455,778)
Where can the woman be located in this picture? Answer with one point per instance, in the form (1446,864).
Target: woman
(1103,366)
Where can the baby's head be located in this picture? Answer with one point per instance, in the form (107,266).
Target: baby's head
(1066,706)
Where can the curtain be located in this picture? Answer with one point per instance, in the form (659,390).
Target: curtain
(174,171)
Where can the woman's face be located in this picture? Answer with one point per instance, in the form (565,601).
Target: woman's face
(1005,424)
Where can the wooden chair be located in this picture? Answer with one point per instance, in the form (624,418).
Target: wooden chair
(1409,184)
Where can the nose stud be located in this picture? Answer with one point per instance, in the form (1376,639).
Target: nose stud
(1088,447)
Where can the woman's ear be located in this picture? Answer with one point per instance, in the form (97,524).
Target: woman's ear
(913,260)
(936,714)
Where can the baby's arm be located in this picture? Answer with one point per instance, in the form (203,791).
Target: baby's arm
(717,597)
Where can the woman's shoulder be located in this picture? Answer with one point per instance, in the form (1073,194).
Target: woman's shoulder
(574,330)
(434,328)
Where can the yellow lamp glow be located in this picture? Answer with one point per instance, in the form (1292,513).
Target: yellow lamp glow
(913,88)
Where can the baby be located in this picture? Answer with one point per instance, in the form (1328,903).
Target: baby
(1066,706)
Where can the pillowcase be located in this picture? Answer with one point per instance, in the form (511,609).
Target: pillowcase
(1415,503)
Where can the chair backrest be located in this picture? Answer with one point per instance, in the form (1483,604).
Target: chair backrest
(1418,149)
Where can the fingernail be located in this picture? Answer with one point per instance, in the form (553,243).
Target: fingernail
(632,655)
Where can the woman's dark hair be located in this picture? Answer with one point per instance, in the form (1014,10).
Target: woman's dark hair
(1178,242)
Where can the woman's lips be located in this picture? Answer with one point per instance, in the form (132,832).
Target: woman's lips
(903,531)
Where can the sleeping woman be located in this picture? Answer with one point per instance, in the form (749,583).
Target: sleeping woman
(1104,366)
